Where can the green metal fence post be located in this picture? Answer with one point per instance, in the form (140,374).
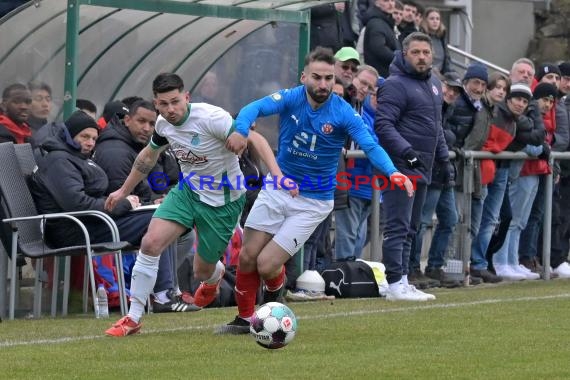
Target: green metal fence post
(71,44)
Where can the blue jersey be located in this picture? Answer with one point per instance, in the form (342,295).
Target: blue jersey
(310,141)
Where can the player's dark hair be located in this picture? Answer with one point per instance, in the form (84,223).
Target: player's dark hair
(320,54)
(165,82)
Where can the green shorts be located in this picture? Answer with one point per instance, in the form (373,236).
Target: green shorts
(214,225)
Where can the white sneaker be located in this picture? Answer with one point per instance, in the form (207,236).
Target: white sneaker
(563,270)
(413,289)
(507,273)
(530,275)
(401,292)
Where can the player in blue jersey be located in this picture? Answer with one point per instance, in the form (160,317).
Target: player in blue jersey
(313,127)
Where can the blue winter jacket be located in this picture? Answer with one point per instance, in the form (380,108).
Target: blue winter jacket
(410,118)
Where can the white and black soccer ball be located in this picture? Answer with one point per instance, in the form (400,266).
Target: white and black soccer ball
(273,325)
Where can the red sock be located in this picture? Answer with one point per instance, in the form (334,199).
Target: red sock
(246,288)
(276,283)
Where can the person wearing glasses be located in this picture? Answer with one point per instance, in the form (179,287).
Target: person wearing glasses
(346,64)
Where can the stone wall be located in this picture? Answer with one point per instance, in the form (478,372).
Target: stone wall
(552,39)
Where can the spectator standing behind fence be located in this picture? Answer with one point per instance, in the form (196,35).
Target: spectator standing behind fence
(561,215)
(487,203)
(408,123)
(531,133)
(531,237)
(497,90)
(408,24)
(433,27)
(380,42)
(507,118)
(348,221)
(326,28)
(15,108)
(534,173)
(440,198)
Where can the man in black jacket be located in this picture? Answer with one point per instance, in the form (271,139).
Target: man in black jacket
(120,143)
(379,38)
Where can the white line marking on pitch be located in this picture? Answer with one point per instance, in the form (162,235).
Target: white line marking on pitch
(331,315)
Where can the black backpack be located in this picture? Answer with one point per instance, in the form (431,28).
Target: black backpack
(350,279)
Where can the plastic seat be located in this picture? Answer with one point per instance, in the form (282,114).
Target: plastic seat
(20,213)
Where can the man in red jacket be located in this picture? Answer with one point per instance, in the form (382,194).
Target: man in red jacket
(16,101)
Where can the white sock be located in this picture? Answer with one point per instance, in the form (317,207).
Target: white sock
(215,277)
(405,279)
(142,282)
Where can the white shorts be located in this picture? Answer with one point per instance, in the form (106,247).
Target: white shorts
(291,221)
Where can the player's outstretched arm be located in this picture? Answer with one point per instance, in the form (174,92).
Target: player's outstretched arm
(402,181)
(142,166)
(261,146)
(236,143)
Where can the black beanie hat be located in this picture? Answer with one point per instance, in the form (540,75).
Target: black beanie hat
(546,68)
(79,121)
(545,90)
(564,69)
(476,70)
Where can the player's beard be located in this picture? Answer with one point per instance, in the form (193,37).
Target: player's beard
(319,97)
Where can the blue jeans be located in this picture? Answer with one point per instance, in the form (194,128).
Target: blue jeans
(522,192)
(491,203)
(347,227)
(402,216)
(529,236)
(362,239)
(442,202)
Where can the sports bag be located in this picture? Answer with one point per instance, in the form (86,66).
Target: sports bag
(350,279)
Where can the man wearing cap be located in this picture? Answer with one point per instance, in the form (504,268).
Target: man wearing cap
(440,198)
(346,64)
(112,109)
(468,103)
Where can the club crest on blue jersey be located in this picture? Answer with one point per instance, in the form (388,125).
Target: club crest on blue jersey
(276,96)
(327,128)
(434,89)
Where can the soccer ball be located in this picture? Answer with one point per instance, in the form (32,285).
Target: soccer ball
(273,325)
